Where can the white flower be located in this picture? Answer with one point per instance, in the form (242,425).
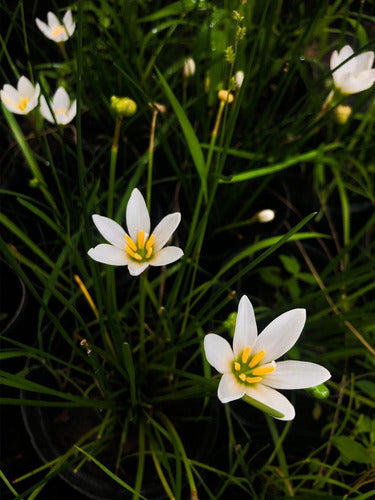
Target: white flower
(138,249)
(189,67)
(250,369)
(56,31)
(20,100)
(63,110)
(238,78)
(355,75)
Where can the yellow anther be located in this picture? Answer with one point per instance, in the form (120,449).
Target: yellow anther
(132,253)
(258,357)
(253,380)
(131,243)
(148,253)
(242,377)
(237,366)
(23,102)
(263,370)
(57,30)
(246,354)
(141,239)
(150,242)
(61,111)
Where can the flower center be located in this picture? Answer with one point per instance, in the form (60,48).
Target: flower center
(61,111)
(22,103)
(142,249)
(246,367)
(57,30)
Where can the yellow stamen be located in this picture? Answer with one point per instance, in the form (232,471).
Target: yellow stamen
(242,377)
(253,380)
(131,243)
(148,253)
(57,30)
(257,358)
(141,239)
(262,370)
(132,253)
(150,242)
(246,354)
(237,366)
(22,103)
(61,111)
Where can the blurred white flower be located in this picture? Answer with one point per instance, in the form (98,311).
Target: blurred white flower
(266,215)
(250,369)
(54,29)
(356,74)
(63,111)
(189,67)
(238,78)
(138,249)
(23,99)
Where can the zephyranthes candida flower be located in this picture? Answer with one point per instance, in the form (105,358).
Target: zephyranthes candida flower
(137,248)
(23,99)
(250,368)
(54,29)
(356,74)
(63,110)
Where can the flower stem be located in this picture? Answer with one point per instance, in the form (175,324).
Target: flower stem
(151,158)
(112,166)
(142,309)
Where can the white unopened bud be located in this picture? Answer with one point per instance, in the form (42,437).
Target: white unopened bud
(189,67)
(238,78)
(342,114)
(266,215)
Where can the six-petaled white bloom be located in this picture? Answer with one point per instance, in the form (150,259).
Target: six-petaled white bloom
(250,368)
(63,110)
(54,29)
(23,99)
(354,75)
(137,249)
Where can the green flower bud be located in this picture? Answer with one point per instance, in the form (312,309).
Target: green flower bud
(342,114)
(123,106)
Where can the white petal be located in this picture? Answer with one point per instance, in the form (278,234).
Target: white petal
(10,98)
(137,216)
(136,269)
(44,110)
(108,254)
(25,87)
(68,19)
(218,352)
(61,99)
(33,103)
(44,28)
(71,28)
(164,230)
(72,111)
(245,333)
(273,399)
(296,375)
(229,389)
(362,82)
(166,256)
(334,60)
(52,20)
(280,335)
(61,37)
(364,61)
(110,230)
(345,53)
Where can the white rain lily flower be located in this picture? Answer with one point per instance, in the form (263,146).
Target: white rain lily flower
(138,249)
(63,110)
(54,29)
(23,99)
(356,74)
(250,369)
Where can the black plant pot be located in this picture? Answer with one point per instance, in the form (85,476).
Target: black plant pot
(13,299)
(54,430)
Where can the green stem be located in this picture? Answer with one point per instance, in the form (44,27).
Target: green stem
(151,158)
(112,167)
(280,452)
(141,462)
(142,310)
